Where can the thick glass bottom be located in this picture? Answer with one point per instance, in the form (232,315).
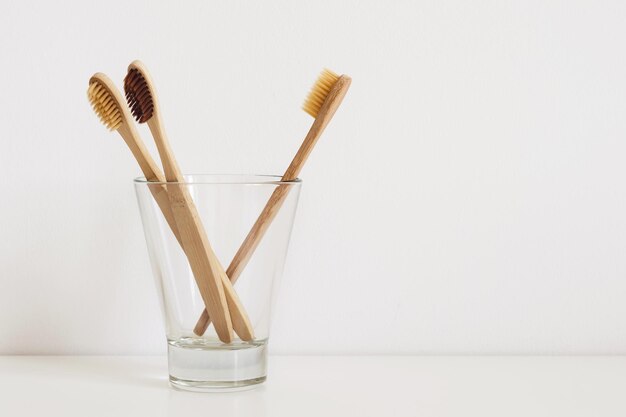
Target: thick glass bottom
(215,386)
(211,366)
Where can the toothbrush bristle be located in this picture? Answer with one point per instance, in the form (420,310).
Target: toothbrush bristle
(138,96)
(104,105)
(319,92)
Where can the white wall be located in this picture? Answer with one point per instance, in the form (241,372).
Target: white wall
(468,197)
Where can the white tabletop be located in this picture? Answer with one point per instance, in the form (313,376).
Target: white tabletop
(322,386)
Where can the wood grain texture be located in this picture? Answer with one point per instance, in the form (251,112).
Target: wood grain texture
(272,207)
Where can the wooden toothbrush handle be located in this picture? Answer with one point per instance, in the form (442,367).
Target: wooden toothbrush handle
(240,321)
(263,222)
(215,287)
(239,317)
(152,172)
(249,245)
(201,259)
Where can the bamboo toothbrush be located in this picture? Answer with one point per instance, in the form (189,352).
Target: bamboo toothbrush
(219,296)
(108,105)
(321,103)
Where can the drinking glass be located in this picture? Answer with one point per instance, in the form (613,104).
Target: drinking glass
(228,206)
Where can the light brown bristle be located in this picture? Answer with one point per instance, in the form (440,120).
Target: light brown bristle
(319,92)
(138,96)
(104,105)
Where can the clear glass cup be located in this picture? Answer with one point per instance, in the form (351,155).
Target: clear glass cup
(228,206)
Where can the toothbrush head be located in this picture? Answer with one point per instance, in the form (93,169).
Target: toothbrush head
(319,92)
(106,105)
(139,95)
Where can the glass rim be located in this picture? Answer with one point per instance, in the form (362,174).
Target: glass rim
(241,179)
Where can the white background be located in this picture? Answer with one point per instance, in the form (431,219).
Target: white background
(467,198)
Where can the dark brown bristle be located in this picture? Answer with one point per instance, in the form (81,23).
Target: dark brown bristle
(138,96)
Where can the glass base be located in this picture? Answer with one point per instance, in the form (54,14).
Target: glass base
(211,366)
(215,386)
